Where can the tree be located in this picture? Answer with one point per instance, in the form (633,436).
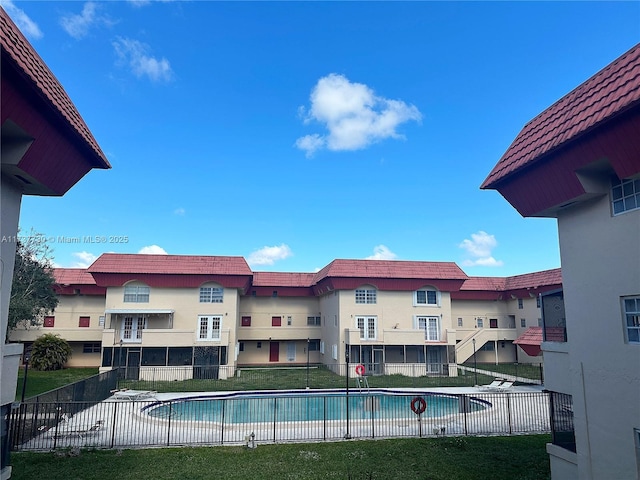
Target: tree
(32,293)
(49,352)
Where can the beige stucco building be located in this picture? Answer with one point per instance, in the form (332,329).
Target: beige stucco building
(579,161)
(203,316)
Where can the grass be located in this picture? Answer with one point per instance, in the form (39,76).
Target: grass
(40,382)
(283,379)
(451,458)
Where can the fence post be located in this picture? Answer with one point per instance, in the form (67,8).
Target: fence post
(169,424)
(113,424)
(275,417)
(464,412)
(224,404)
(509,412)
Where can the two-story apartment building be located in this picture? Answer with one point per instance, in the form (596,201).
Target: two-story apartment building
(579,161)
(197,313)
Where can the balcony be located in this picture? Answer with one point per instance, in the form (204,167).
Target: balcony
(160,337)
(391,336)
(278,333)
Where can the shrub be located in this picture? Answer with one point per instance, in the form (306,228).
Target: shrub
(49,352)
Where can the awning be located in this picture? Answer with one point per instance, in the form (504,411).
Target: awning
(531,339)
(140,310)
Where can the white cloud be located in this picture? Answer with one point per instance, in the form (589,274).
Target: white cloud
(152,250)
(269,255)
(144,3)
(84,259)
(382,252)
(78,25)
(479,249)
(354,116)
(179,211)
(135,53)
(22,20)
(310,143)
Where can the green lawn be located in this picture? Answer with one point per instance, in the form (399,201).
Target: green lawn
(296,378)
(450,458)
(40,382)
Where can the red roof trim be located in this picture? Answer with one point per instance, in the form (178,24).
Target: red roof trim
(41,80)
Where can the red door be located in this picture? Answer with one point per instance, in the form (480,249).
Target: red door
(274,351)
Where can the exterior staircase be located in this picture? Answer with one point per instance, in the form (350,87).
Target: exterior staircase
(465,349)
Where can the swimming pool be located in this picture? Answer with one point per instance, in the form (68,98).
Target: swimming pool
(242,408)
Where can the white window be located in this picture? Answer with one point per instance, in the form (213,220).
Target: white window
(136,294)
(322,347)
(625,195)
(520,304)
(479,322)
(209,327)
(426,296)
(431,327)
(460,321)
(291,351)
(523,322)
(132,329)
(334,351)
(632,318)
(365,296)
(313,321)
(367,327)
(211,294)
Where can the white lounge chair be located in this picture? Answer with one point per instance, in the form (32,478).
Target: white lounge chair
(493,385)
(505,386)
(133,395)
(65,429)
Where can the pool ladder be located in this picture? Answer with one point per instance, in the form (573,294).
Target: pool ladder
(362,382)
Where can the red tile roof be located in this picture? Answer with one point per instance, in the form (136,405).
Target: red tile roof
(391,269)
(491,284)
(73,276)
(610,92)
(534,280)
(169,264)
(282,279)
(44,82)
(531,339)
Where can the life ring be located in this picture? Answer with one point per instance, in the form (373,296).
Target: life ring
(360,369)
(418,405)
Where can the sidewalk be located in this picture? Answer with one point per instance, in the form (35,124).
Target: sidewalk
(504,376)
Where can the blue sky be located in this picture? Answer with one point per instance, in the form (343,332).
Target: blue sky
(295,133)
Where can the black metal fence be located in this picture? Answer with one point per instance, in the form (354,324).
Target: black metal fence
(562,428)
(36,411)
(296,416)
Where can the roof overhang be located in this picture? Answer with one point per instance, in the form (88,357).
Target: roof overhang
(139,311)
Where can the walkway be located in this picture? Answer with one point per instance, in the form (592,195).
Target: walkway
(504,376)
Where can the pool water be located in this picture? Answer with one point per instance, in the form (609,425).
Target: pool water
(308,407)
